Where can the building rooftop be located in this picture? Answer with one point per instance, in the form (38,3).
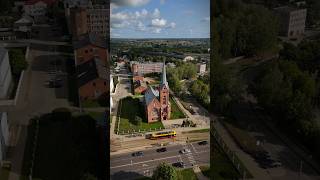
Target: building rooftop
(91,70)
(87,39)
(150,94)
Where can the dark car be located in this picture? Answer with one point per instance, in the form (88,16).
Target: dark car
(179,164)
(139,153)
(162,150)
(203,143)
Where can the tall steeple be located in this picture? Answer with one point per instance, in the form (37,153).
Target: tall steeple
(164,75)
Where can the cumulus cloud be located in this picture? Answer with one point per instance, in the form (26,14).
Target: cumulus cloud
(156,13)
(141,26)
(158,23)
(172,25)
(131,3)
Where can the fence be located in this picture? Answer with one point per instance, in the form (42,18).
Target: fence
(230,154)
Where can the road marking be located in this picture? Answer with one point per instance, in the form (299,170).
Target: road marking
(144,162)
(193,148)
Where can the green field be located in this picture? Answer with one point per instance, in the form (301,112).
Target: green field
(186,174)
(176,112)
(128,109)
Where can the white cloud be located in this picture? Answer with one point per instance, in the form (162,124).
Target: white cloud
(172,25)
(206,19)
(132,3)
(141,26)
(158,22)
(162,1)
(156,13)
(156,30)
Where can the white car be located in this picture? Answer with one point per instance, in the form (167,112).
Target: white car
(184,151)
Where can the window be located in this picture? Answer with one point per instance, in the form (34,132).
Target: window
(86,51)
(94,84)
(105,83)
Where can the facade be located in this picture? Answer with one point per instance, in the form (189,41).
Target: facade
(7,34)
(35,8)
(5,73)
(4,135)
(98,20)
(145,68)
(78,22)
(201,68)
(93,19)
(157,103)
(292,21)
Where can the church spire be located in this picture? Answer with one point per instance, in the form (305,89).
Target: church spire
(164,75)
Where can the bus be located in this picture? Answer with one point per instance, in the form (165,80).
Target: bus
(164,134)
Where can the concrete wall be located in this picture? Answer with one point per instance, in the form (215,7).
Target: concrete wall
(5,76)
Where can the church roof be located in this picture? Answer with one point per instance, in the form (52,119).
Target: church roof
(150,94)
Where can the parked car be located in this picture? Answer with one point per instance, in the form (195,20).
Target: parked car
(162,150)
(179,164)
(203,143)
(139,153)
(184,151)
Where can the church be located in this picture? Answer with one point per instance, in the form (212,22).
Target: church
(157,104)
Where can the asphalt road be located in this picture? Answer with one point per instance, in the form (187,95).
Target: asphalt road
(126,167)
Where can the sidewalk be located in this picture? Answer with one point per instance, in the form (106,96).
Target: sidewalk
(198,172)
(249,162)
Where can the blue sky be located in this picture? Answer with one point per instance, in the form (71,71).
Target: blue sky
(160,18)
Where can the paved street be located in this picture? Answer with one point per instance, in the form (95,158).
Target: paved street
(35,99)
(125,166)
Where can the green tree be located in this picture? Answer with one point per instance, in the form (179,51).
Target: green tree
(17,61)
(165,172)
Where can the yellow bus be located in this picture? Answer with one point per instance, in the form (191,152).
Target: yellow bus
(164,134)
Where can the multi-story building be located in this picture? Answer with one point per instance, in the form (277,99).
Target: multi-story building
(91,56)
(292,21)
(5,73)
(92,79)
(140,69)
(4,135)
(92,19)
(157,103)
(201,68)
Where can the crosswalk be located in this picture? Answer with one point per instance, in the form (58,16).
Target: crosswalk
(190,156)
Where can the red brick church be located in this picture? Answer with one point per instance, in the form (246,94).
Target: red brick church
(157,104)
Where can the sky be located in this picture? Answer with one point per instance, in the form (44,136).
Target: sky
(160,18)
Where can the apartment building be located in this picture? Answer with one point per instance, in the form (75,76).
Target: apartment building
(140,69)
(292,21)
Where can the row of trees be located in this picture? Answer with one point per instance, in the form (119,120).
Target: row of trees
(201,90)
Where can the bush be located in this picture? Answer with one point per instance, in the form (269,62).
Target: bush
(165,172)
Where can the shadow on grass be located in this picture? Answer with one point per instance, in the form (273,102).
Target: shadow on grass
(67,147)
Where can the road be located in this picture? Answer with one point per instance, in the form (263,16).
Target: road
(126,167)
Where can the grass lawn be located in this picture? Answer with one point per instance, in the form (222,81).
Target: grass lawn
(221,166)
(4,174)
(67,148)
(197,131)
(186,174)
(176,112)
(128,110)
(205,171)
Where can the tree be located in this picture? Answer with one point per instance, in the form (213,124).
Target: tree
(165,172)
(137,121)
(17,61)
